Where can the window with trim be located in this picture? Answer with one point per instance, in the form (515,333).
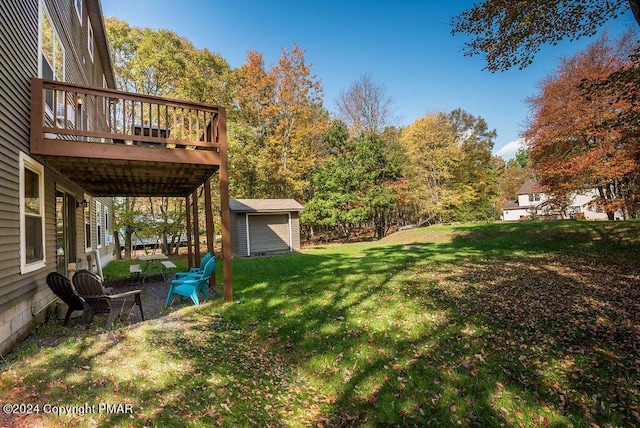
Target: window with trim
(87,225)
(52,55)
(105,217)
(99,227)
(90,39)
(78,4)
(32,241)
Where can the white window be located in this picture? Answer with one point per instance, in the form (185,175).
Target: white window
(52,55)
(32,241)
(90,39)
(87,225)
(99,224)
(78,4)
(106,228)
(102,225)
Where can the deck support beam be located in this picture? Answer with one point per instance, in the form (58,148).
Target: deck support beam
(224,208)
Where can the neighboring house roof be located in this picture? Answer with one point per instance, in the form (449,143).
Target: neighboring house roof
(511,205)
(530,187)
(264,205)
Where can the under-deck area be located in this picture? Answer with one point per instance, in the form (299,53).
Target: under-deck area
(113,143)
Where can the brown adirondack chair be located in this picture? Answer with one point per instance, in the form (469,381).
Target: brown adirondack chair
(63,288)
(96,301)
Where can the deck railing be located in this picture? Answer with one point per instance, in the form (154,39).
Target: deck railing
(68,112)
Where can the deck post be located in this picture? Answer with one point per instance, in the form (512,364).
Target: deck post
(196,228)
(224,207)
(189,231)
(208,213)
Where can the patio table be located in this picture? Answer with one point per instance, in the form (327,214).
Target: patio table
(152,264)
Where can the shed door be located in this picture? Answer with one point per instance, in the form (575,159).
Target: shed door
(269,233)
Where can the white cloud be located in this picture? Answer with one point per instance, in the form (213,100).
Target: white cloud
(509,150)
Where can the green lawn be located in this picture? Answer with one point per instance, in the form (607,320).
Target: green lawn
(523,324)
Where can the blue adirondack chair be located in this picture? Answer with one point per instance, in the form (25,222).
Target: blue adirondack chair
(195,271)
(191,286)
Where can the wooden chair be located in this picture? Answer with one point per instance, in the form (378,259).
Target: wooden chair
(96,301)
(63,288)
(191,286)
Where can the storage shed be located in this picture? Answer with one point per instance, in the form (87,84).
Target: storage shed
(264,226)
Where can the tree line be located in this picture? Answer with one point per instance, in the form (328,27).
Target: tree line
(357,172)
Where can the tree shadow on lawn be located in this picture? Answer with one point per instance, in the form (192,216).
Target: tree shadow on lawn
(436,335)
(190,368)
(403,339)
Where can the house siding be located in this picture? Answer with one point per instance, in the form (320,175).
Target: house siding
(529,202)
(21,295)
(19,35)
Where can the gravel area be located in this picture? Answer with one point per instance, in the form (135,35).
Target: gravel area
(153,296)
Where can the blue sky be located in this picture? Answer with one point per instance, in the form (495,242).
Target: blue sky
(405,45)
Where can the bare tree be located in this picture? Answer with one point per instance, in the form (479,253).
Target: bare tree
(365,107)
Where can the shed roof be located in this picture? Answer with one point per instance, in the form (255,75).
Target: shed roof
(264,205)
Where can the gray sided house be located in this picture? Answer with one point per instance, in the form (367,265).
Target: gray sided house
(47,221)
(265,226)
(70,142)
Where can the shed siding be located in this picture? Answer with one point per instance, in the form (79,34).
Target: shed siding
(295,231)
(274,226)
(241,233)
(269,233)
(233,226)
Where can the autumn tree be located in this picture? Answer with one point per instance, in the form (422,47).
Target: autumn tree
(431,159)
(449,168)
(475,175)
(570,149)
(510,33)
(164,221)
(279,122)
(249,127)
(161,63)
(365,107)
(297,135)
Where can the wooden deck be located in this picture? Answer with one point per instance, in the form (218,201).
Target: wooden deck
(121,144)
(113,143)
